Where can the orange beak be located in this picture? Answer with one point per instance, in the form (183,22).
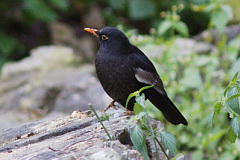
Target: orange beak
(92,31)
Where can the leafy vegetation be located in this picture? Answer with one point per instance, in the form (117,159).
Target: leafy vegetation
(230,104)
(196,82)
(144,128)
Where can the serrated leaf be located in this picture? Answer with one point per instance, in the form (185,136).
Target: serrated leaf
(231,135)
(169,141)
(234,102)
(235,126)
(181,27)
(232,97)
(164,26)
(136,136)
(138,140)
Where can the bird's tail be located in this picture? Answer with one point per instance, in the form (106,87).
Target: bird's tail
(166,106)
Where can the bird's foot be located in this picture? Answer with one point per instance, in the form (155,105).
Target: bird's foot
(110,105)
(129,113)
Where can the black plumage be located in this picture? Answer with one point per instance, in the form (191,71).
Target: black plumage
(122,68)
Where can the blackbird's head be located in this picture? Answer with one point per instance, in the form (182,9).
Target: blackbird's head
(111,38)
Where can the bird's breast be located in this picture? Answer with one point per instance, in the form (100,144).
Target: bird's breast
(117,75)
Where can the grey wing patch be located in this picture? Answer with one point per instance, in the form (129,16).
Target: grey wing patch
(149,78)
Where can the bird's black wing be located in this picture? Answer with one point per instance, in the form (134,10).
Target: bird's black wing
(145,71)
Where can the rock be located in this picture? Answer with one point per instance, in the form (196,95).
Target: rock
(65,35)
(50,80)
(70,138)
(188,46)
(184,46)
(231,32)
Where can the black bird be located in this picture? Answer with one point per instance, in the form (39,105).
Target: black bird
(122,68)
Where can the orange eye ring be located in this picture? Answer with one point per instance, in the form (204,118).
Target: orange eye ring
(104,37)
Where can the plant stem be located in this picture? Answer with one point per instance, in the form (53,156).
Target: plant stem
(153,135)
(92,108)
(162,148)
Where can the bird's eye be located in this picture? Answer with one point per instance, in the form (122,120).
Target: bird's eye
(104,37)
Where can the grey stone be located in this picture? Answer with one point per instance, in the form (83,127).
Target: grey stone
(184,46)
(50,80)
(69,138)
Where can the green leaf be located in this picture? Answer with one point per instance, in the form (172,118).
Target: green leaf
(233,103)
(137,136)
(138,140)
(235,126)
(164,26)
(235,78)
(232,97)
(231,135)
(217,107)
(141,9)
(141,114)
(39,10)
(181,27)
(169,141)
(137,108)
(141,100)
(220,19)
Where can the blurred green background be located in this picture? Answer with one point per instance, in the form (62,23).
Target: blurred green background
(194,81)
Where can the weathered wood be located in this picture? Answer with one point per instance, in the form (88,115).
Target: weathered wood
(68,138)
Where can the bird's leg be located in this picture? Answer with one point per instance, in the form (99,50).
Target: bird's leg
(129,113)
(110,105)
